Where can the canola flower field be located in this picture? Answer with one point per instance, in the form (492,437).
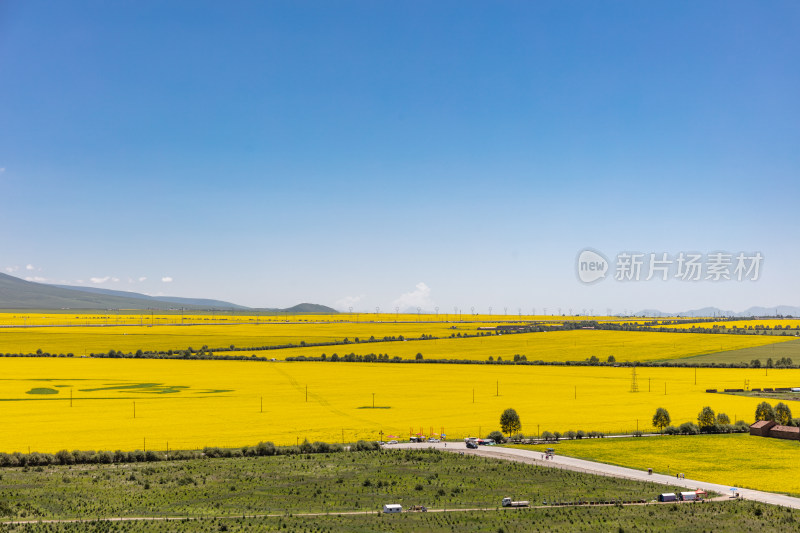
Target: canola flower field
(155,318)
(83,403)
(575,345)
(738,460)
(553,346)
(791,324)
(82,340)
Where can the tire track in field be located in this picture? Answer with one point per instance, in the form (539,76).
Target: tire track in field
(321,400)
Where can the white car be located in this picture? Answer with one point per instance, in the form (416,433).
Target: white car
(392,442)
(433,440)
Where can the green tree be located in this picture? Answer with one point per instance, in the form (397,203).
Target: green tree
(783,415)
(706,418)
(661,419)
(722,418)
(764,411)
(510,422)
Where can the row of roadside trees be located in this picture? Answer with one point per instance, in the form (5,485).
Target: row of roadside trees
(710,422)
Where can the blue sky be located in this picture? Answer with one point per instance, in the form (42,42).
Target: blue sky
(399,154)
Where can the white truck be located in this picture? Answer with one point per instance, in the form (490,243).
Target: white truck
(508,502)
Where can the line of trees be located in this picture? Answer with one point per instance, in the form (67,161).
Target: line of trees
(780,414)
(66,457)
(707,422)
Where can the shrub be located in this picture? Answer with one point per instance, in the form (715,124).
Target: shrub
(65,457)
(688,428)
(671,430)
(497,437)
(365,446)
(265,448)
(570,434)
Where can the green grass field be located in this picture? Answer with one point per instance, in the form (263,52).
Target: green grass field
(776,351)
(337,482)
(217,493)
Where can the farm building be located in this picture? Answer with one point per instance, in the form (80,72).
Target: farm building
(768,428)
(761,428)
(784,432)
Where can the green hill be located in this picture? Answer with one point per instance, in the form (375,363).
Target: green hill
(16,293)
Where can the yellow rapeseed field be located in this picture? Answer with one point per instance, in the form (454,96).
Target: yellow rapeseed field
(772,323)
(738,460)
(190,404)
(144,317)
(82,340)
(574,345)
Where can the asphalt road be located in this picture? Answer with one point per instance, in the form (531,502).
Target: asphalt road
(591,467)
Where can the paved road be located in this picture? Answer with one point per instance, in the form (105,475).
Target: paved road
(581,465)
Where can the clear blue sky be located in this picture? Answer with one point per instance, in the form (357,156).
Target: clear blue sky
(412,153)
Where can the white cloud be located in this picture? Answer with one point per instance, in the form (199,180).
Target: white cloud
(141,279)
(420,297)
(2,169)
(29,267)
(344,304)
(100,280)
(166,279)
(12,269)
(37,279)
(115,280)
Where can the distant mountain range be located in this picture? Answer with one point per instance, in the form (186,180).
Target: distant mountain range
(778,310)
(16,293)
